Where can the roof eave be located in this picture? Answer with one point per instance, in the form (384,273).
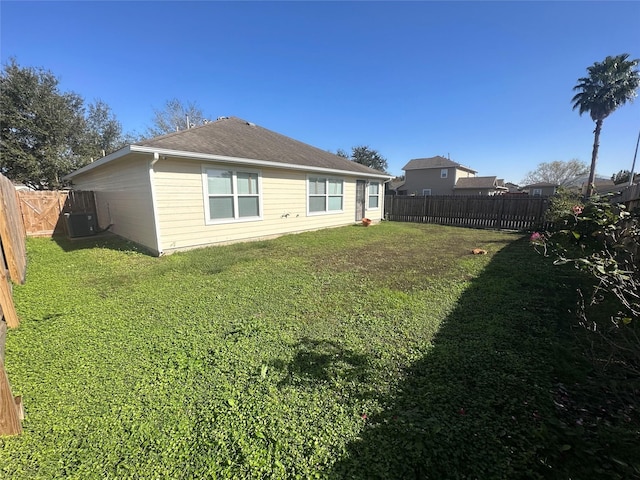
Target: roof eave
(109,158)
(221,159)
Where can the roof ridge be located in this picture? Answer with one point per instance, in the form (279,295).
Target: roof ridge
(178,132)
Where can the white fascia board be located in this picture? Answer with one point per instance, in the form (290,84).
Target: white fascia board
(253,162)
(112,156)
(217,158)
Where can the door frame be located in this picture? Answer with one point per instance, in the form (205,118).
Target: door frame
(361,199)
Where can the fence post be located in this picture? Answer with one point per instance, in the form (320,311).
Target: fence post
(6,301)
(11,255)
(500,210)
(10,407)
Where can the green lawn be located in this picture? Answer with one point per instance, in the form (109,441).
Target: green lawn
(383,352)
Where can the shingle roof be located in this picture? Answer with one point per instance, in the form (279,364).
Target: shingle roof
(434,162)
(541,185)
(583,179)
(477,182)
(395,184)
(234,137)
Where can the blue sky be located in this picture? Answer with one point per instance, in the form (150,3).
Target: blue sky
(487,83)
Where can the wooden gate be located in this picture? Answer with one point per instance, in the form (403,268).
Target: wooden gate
(43,211)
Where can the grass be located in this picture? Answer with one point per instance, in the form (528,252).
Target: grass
(384,352)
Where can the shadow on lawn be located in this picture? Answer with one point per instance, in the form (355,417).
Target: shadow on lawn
(101,240)
(480,403)
(324,361)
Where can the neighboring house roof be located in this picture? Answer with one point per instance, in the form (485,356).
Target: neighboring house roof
(580,180)
(434,162)
(605,183)
(396,184)
(541,185)
(478,182)
(231,138)
(513,188)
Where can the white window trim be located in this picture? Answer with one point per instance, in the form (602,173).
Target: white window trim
(426,192)
(205,195)
(537,192)
(369,196)
(444,173)
(326,212)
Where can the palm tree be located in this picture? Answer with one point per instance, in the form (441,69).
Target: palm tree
(610,84)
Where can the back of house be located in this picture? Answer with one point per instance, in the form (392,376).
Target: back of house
(227,181)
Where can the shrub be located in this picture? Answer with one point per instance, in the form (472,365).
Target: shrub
(601,239)
(561,203)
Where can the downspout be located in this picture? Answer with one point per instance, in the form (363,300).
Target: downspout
(156,220)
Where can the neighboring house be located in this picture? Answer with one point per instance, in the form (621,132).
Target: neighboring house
(479,186)
(394,186)
(513,188)
(223,182)
(433,176)
(541,189)
(602,185)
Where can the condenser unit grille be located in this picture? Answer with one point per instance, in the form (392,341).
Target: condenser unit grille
(81,224)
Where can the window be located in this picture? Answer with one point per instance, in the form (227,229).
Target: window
(231,195)
(426,192)
(325,195)
(444,172)
(374,195)
(537,192)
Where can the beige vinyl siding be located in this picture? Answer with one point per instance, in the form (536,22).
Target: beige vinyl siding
(180,206)
(123,198)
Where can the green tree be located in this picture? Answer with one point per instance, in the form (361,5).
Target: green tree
(610,85)
(365,156)
(104,131)
(173,117)
(621,177)
(42,130)
(342,153)
(556,172)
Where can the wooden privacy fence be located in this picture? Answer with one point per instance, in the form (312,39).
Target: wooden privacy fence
(477,211)
(630,196)
(43,211)
(13,265)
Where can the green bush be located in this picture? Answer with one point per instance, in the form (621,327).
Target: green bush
(602,239)
(561,203)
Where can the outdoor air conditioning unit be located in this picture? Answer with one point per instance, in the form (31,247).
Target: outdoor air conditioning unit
(81,224)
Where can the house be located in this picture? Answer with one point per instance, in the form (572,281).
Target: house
(226,181)
(601,185)
(479,186)
(433,176)
(393,186)
(541,189)
(513,188)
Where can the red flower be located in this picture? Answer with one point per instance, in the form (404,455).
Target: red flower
(577,209)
